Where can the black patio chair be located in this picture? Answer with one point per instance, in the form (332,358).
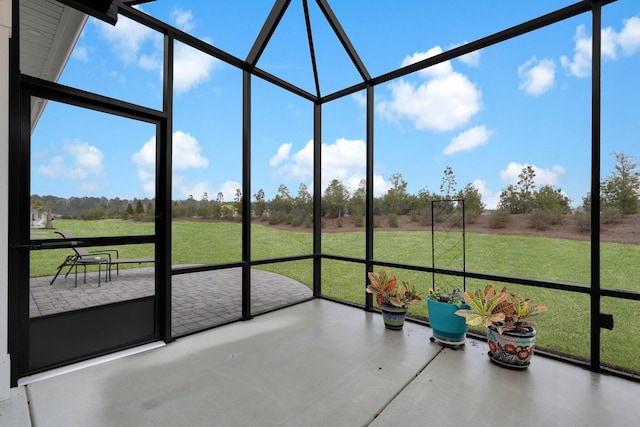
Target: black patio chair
(83,257)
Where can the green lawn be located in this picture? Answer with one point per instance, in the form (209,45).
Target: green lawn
(564,327)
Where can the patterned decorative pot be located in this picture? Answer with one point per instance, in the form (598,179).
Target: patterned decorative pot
(447,326)
(393,316)
(511,350)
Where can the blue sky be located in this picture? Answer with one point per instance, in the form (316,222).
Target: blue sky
(487,115)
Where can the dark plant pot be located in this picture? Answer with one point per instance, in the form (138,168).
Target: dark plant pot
(447,326)
(393,316)
(512,349)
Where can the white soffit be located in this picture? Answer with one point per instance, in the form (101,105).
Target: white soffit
(48,33)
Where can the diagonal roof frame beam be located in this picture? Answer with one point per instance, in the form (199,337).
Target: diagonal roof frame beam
(342,36)
(276,14)
(311,48)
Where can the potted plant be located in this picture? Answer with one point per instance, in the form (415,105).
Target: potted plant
(510,332)
(448,329)
(393,297)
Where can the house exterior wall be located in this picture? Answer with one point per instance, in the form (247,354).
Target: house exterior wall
(5,33)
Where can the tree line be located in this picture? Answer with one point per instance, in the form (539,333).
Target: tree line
(620,195)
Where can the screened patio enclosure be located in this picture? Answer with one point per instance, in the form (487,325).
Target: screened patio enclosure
(244,138)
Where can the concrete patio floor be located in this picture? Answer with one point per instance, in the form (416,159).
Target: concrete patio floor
(320,363)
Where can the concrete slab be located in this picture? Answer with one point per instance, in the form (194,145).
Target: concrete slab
(321,363)
(14,411)
(317,363)
(465,388)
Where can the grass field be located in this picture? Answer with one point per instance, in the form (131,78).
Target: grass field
(563,328)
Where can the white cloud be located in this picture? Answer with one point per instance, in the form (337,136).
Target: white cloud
(126,38)
(542,176)
(440,104)
(281,155)
(344,160)
(228,189)
(628,40)
(444,101)
(490,198)
(191,67)
(580,65)
(183,19)
(468,140)
(629,37)
(136,44)
(472,58)
(186,152)
(81,53)
(79,161)
(360,98)
(440,70)
(186,155)
(537,77)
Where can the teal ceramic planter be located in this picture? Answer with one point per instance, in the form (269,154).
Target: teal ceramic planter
(447,326)
(393,316)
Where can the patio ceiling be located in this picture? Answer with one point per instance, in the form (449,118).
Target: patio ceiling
(49,31)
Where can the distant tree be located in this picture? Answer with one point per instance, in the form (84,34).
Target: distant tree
(48,209)
(448,183)
(190,208)
(260,204)
(622,188)
(282,202)
(335,200)
(303,202)
(518,198)
(95,213)
(396,199)
(473,205)
(130,210)
(550,199)
(357,203)
(151,209)
(139,208)
(237,202)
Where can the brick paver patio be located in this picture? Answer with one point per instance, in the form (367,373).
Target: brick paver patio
(199,300)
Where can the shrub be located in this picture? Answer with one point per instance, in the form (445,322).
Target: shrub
(414,215)
(456,219)
(393,220)
(376,222)
(357,220)
(541,219)
(339,222)
(583,221)
(295,220)
(610,215)
(276,217)
(425,217)
(471,216)
(499,218)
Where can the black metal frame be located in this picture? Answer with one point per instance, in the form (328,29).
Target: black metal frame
(20,84)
